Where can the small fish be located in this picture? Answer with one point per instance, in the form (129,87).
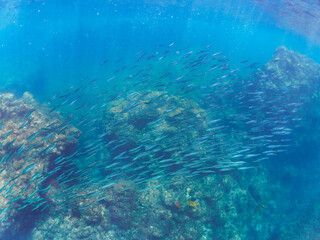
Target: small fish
(80,107)
(7,135)
(104,62)
(245,168)
(4,218)
(24,124)
(46,137)
(102,198)
(140,58)
(29,113)
(34,136)
(55,108)
(11,144)
(50,148)
(77,99)
(216,54)
(11,157)
(20,208)
(15,199)
(36,207)
(81,208)
(10,188)
(28,168)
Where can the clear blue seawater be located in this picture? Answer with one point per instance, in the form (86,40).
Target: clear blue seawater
(48,47)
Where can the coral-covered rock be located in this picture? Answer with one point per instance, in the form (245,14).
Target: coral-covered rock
(290,68)
(30,138)
(133,116)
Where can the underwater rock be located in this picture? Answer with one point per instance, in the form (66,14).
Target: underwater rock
(290,68)
(153,132)
(131,117)
(28,147)
(224,201)
(60,227)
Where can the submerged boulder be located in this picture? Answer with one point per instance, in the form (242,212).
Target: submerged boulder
(153,128)
(30,138)
(289,68)
(139,112)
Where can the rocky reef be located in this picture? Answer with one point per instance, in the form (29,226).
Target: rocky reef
(141,125)
(150,187)
(139,110)
(28,147)
(292,69)
(222,206)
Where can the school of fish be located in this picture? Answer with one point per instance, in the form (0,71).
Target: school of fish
(173,113)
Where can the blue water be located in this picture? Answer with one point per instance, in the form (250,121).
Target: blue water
(48,46)
(60,42)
